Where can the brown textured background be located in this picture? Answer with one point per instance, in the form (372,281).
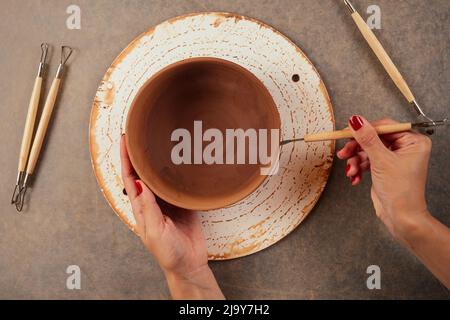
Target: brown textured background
(67,220)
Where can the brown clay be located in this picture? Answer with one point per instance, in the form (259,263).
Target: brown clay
(217,92)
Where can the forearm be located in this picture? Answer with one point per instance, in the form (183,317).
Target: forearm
(199,285)
(429,240)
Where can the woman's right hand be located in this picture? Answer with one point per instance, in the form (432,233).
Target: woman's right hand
(398,164)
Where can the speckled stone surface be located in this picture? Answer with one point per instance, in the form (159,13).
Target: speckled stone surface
(67,221)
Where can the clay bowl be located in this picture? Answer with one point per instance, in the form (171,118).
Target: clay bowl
(221,94)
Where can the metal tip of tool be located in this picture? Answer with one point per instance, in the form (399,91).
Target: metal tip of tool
(282,143)
(350,7)
(430,125)
(420,112)
(21,198)
(44,51)
(66,52)
(15,194)
(428,121)
(437,123)
(20,190)
(18,198)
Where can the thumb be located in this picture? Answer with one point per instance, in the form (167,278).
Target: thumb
(367,137)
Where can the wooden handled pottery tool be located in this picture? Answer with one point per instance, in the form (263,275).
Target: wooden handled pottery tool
(382,129)
(387,63)
(18,200)
(29,122)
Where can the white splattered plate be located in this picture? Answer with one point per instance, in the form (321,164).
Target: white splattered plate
(281,203)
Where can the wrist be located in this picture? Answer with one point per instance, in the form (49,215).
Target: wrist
(196,284)
(411,227)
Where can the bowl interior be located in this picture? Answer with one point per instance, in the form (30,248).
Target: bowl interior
(223,96)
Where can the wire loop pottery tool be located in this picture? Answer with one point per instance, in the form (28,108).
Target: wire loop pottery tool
(389,66)
(382,129)
(29,124)
(18,200)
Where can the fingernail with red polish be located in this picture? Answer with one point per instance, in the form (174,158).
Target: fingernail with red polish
(347,168)
(356,122)
(352,179)
(138,187)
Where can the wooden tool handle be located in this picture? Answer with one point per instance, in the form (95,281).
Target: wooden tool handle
(383,57)
(347,133)
(43,124)
(29,124)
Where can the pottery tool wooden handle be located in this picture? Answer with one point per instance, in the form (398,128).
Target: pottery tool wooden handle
(28,130)
(29,123)
(32,111)
(43,125)
(347,133)
(40,133)
(47,112)
(381,54)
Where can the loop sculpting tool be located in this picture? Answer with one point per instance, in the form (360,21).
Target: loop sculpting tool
(387,63)
(29,124)
(42,127)
(381,129)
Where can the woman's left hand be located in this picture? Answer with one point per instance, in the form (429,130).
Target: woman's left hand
(174,237)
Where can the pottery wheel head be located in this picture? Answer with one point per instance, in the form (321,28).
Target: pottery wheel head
(283,200)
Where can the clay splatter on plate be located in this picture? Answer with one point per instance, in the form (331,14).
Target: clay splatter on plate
(283,201)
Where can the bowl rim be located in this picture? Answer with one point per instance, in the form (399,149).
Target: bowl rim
(218,202)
